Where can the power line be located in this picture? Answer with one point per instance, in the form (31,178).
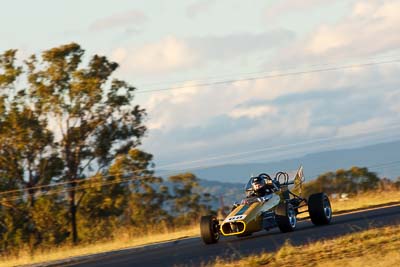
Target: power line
(283,68)
(75,183)
(380,165)
(81,187)
(270,76)
(94,180)
(41,186)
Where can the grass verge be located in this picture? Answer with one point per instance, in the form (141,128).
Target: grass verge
(374,247)
(362,201)
(366,200)
(124,241)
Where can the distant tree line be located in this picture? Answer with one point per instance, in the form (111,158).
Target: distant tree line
(70,167)
(352,181)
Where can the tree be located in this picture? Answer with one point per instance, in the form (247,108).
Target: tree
(146,194)
(26,155)
(9,71)
(362,179)
(8,74)
(186,203)
(354,180)
(100,210)
(79,112)
(50,222)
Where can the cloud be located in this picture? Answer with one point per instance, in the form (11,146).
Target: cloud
(124,19)
(199,7)
(259,98)
(175,109)
(172,53)
(252,112)
(365,32)
(169,54)
(288,124)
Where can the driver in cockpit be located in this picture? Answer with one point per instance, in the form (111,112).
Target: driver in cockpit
(261,189)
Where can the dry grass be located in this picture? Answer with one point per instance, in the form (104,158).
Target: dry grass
(124,241)
(375,247)
(365,200)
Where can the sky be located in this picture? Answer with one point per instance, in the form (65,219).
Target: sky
(236,81)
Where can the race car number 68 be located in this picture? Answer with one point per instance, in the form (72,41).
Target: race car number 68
(235,218)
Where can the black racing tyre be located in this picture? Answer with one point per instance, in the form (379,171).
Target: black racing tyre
(319,208)
(209,229)
(286,217)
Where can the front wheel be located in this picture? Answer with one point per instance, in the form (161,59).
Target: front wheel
(320,209)
(209,229)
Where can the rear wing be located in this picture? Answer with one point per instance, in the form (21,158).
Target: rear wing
(298,181)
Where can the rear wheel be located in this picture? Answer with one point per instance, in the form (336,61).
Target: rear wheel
(320,209)
(286,218)
(209,229)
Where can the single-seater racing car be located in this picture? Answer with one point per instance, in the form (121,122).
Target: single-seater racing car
(269,203)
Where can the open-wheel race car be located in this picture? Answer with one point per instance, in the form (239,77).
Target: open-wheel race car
(269,203)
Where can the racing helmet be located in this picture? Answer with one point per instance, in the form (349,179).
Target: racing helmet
(257,183)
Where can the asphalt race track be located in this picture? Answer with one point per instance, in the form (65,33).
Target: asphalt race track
(192,252)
